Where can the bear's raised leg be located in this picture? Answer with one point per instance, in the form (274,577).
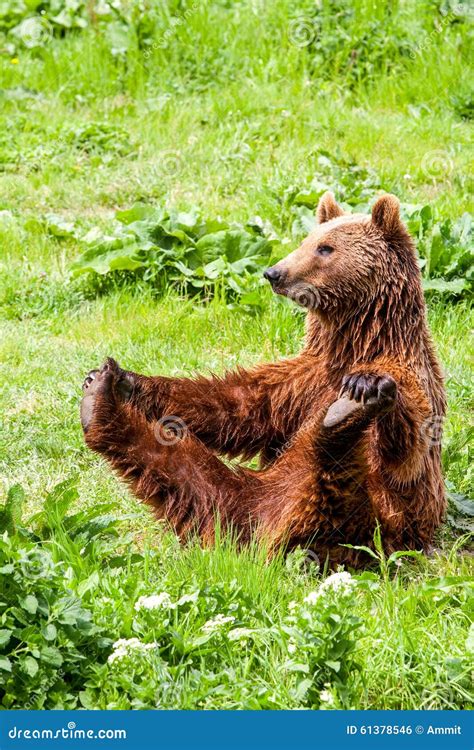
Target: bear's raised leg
(171,470)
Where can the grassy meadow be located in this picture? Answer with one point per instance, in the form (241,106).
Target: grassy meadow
(231,111)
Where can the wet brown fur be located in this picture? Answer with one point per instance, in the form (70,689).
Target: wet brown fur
(319,487)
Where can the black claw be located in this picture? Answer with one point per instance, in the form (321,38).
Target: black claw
(352,386)
(361,387)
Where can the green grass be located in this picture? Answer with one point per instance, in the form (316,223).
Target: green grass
(243,112)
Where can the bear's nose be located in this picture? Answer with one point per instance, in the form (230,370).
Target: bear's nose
(273,275)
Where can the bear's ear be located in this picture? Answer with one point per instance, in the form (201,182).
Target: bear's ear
(328,208)
(386,214)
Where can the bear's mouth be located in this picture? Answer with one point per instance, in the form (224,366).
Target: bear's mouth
(305,295)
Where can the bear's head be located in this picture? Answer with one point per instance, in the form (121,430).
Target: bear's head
(350,260)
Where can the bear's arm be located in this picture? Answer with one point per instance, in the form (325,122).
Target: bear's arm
(241,413)
(402,438)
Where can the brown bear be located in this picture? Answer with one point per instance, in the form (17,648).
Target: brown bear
(347,431)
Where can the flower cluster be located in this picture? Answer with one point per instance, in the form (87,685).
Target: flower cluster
(129,647)
(155,601)
(240,634)
(340,583)
(217,622)
(163,600)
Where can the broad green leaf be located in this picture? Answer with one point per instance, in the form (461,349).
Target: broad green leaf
(29,603)
(454,286)
(304,223)
(308,198)
(426,216)
(101,260)
(87,700)
(60,227)
(251,298)
(232,245)
(118,38)
(141,212)
(5,636)
(5,664)
(302,688)
(49,632)
(213,270)
(68,610)
(403,553)
(29,666)
(52,656)
(470,639)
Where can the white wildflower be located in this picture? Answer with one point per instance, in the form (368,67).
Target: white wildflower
(325,696)
(128,647)
(341,583)
(291,647)
(312,597)
(292,606)
(217,622)
(187,598)
(155,601)
(240,634)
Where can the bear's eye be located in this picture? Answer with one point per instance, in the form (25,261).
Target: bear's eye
(325,250)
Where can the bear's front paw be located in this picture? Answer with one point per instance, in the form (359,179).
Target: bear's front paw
(364,394)
(368,388)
